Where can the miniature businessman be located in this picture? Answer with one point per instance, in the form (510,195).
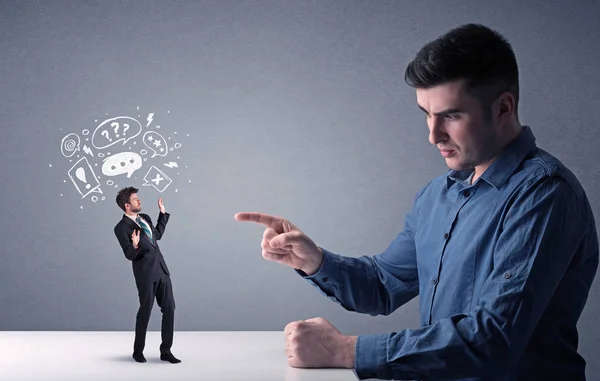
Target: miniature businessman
(138,238)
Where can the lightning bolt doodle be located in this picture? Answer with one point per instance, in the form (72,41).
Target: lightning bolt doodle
(170,164)
(150,118)
(88,150)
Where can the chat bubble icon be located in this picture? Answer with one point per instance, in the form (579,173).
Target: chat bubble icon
(156,143)
(69,145)
(124,162)
(114,130)
(83,177)
(157,179)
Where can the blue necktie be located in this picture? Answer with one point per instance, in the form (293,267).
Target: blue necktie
(144,227)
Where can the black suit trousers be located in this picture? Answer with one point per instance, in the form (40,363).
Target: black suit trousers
(162,291)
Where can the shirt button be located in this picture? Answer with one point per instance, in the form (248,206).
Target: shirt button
(507,276)
(434,281)
(446,235)
(467,193)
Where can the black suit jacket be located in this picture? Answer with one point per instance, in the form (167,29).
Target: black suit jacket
(147,261)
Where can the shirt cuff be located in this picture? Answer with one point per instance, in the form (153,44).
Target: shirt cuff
(371,357)
(326,267)
(324,279)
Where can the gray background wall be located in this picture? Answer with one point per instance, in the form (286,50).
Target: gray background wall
(292,108)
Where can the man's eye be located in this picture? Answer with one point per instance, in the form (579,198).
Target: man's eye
(450,117)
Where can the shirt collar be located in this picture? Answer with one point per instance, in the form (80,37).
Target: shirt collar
(134,218)
(504,165)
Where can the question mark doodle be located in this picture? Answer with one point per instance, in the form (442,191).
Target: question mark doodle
(115,125)
(114,130)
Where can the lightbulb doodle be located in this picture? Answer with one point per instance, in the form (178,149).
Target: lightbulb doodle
(109,153)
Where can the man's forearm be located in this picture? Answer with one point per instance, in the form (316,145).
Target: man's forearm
(351,282)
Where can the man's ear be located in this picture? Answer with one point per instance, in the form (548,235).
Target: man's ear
(506,103)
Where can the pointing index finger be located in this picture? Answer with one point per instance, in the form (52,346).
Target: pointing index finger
(260,218)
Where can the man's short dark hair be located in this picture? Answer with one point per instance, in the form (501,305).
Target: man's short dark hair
(123,196)
(470,52)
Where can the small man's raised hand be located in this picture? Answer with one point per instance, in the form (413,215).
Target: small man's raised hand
(161,205)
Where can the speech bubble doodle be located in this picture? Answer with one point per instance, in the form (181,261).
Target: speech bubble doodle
(156,143)
(69,145)
(114,130)
(83,177)
(157,179)
(124,162)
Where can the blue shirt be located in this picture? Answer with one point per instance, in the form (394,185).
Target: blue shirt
(503,268)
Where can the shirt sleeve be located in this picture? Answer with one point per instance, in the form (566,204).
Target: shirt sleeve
(539,237)
(161,224)
(372,285)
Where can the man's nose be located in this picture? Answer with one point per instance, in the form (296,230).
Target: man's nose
(436,130)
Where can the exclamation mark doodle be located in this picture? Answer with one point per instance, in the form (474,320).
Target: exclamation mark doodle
(80,174)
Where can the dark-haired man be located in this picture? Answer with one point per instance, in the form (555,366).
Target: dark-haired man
(138,238)
(502,249)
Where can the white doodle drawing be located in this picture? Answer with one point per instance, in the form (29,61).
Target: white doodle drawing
(83,177)
(88,150)
(120,163)
(70,144)
(114,130)
(157,179)
(156,143)
(150,119)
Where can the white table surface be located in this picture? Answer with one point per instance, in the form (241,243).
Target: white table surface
(106,356)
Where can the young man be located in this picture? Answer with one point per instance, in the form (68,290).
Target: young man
(138,239)
(502,249)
